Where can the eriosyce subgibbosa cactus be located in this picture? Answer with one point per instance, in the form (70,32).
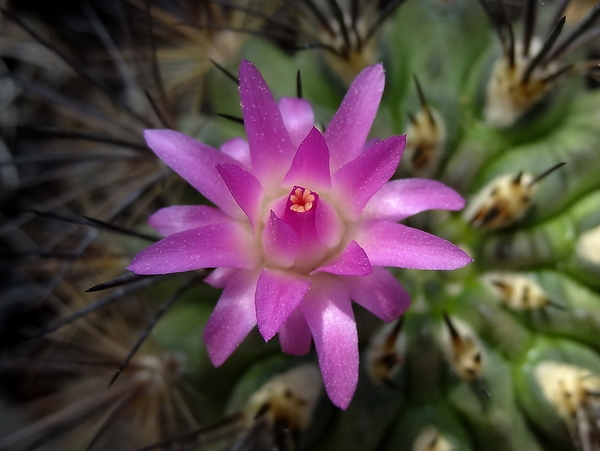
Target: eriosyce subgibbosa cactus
(369,225)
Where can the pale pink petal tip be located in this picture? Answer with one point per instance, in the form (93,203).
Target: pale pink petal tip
(400,199)
(298,117)
(350,126)
(391,244)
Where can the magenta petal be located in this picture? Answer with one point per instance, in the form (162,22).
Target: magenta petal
(271,149)
(278,294)
(371,142)
(298,118)
(245,189)
(330,227)
(391,244)
(399,199)
(329,315)
(238,149)
(379,292)
(280,244)
(352,261)
(356,182)
(224,244)
(294,335)
(310,167)
(311,250)
(195,162)
(170,220)
(220,277)
(348,130)
(233,317)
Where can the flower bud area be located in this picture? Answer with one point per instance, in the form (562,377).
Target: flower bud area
(302,235)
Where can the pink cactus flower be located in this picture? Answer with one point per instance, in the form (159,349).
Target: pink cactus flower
(305,222)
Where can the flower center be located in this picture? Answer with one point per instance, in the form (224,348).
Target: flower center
(302,200)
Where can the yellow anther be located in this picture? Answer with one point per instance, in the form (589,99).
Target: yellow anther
(302,200)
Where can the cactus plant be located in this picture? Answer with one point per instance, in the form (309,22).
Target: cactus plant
(498,105)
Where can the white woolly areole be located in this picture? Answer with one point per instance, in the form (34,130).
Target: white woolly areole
(567,388)
(292,395)
(430,439)
(588,246)
(518,291)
